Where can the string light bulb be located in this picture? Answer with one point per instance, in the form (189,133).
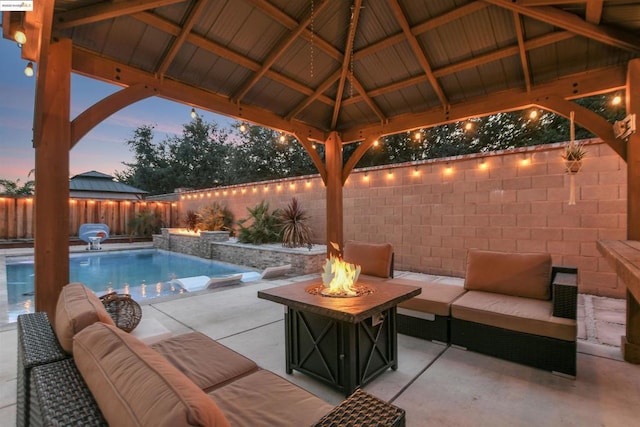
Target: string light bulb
(468,126)
(376,143)
(193,113)
(617,99)
(533,114)
(418,136)
(19,36)
(28,70)
(243,127)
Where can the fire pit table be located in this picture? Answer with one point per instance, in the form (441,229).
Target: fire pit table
(345,342)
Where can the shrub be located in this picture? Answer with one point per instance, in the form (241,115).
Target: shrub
(145,223)
(191,220)
(294,228)
(264,225)
(216,217)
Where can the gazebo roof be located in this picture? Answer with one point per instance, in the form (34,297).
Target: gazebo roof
(360,68)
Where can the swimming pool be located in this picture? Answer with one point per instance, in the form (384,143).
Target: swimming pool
(142,273)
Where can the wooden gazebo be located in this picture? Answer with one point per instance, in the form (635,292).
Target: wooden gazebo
(328,72)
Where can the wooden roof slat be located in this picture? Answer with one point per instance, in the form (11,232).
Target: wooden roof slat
(319,91)
(418,52)
(215,48)
(106,10)
(279,49)
(575,24)
(192,17)
(428,25)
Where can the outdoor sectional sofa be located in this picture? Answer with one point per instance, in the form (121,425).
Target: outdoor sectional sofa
(513,306)
(85,371)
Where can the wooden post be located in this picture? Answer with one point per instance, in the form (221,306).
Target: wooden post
(631,342)
(52,143)
(333,158)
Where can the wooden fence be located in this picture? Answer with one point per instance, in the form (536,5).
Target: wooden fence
(17,215)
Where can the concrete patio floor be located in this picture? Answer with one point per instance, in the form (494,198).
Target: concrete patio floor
(436,385)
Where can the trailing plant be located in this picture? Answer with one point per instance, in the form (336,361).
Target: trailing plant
(191,220)
(145,223)
(574,152)
(216,217)
(263,225)
(294,228)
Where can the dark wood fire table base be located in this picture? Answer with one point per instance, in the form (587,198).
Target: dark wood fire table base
(344,342)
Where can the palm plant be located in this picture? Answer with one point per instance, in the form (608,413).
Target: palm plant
(264,227)
(191,220)
(216,217)
(294,228)
(145,223)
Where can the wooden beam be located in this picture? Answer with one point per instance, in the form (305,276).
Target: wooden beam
(192,17)
(594,11)
(569,87)
(353,25)
(321,89)
(431,24)
(630,345)
(315,157)
(51,244)
(95,66)
(279,49)
(367,100)
(575,24)
(472,62)
(219,50)
(38,30)
(102,109)
(335,212)
(589,120)
(523,51)
(356,156)
(106,10)
(418,52)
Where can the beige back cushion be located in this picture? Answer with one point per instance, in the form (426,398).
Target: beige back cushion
(77,308)
(374,258)
(135,386)
(524,275)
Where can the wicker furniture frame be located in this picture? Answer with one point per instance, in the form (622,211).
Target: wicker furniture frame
(51,391)
(540,352)
(437,329)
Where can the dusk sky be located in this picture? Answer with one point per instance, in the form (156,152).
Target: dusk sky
(104,148)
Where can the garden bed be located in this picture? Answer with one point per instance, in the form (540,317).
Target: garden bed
(218,246)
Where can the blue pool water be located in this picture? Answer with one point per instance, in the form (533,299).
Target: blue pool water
(144,274)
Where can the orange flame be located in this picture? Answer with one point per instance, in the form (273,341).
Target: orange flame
(339,277)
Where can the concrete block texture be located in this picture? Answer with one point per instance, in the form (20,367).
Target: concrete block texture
(508,205)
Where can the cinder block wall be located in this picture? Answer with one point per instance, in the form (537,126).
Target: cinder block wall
(433,211)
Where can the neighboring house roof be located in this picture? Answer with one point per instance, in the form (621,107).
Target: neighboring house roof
(95,184)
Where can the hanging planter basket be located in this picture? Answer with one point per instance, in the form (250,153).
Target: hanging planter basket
(573,166)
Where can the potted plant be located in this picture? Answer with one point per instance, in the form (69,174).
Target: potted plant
(573,155)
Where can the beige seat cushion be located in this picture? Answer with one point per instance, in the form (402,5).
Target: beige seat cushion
(519,314)
(77,308)
(524,275)
(265,399)
(374,258)
(436,298)
(135,386)
(204,361)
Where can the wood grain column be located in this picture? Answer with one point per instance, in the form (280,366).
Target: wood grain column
(52,143)
(333,159)
(631,342)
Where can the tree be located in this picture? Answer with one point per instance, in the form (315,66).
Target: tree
(198,158)
(14,188)
(260,154)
